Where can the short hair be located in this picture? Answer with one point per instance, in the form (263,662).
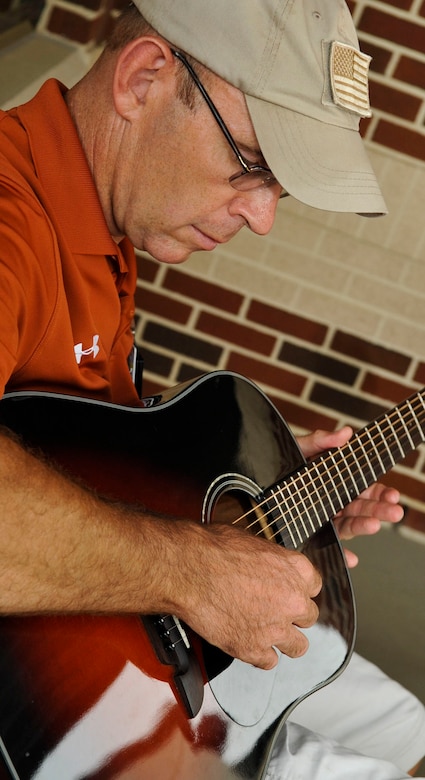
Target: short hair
(131,25)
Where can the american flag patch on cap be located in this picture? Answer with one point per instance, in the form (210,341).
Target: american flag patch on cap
(349,69)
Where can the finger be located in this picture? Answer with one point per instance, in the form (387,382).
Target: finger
(368,523)
(318,441)
(309,618)
(308,578)
(351,558)
(390,494)
(349,527)
(377,501)
(380,492)
(296,646)
(267,661)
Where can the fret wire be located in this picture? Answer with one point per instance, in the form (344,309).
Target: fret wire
(315,466)
(293,494)
(291,497)
(378,442)
(365,453)
(343,482)
(307,495)
(381,463)
(386,442)
(406,429)
(310,495)
(396,437)
(287,524)
(414,416)
(361,474)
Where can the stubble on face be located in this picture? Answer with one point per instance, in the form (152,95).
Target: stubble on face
(171,194)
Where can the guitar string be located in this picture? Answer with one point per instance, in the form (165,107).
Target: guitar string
(381,430)
(323,463)
(302,502)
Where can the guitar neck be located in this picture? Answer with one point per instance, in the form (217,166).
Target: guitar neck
(317,492)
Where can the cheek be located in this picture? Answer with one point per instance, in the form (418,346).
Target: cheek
(178,179)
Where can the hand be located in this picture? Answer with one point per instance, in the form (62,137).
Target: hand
(365,513)
(247,595)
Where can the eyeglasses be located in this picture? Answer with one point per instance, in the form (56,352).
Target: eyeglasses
(252,176)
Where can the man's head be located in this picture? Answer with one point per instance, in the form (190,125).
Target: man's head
(171,147)
(304,79)
(185,152)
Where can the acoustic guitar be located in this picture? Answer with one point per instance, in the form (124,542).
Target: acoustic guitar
(143,698)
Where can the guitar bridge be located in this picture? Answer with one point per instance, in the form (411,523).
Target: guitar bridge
(172,648)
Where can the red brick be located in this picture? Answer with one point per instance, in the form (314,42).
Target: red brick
(414,519)
(200,290)
(380,56)
(386,388)
(411,460)
(104,31)
(316,362)
(299,417)
(365,123)
(266,374)
(72,26)
(92,5)
(351,406)
(420,374)
(411,71)
(403,4)
(234,333)
(392,28)
(181,343)
(151,387)
(287,323)
(407,485)
(394,101)
(370,353)
(163,305)
(401,139)
(147,270)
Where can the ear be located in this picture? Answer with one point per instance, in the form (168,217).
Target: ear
(141,66)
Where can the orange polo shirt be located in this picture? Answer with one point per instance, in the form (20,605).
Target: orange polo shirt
(66,288)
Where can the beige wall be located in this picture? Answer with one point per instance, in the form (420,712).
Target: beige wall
(366,275)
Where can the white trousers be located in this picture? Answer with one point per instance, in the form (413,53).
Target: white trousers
(363,726)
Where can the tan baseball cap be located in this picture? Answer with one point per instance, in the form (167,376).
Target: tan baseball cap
(306,86)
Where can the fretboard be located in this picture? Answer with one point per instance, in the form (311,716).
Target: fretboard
(303,503)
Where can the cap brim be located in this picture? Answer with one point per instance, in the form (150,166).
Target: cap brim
(320,164)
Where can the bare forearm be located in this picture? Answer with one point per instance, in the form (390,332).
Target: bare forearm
(64,549)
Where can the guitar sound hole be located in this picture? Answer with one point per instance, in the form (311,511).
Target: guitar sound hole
(236,507)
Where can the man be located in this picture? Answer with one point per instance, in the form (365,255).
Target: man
(139,153)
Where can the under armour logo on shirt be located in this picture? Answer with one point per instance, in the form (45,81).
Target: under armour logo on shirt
(93,350)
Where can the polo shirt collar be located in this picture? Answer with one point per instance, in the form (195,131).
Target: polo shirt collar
(63,170)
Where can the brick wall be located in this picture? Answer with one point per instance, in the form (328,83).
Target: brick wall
(327,313)
(87,22)
(393,33)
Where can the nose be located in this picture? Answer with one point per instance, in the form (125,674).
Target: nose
(257,207)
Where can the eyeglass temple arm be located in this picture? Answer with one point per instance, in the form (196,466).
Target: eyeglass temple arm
(212,108)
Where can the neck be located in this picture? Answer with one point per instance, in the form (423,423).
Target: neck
(91,107)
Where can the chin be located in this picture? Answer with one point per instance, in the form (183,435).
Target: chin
(170,252)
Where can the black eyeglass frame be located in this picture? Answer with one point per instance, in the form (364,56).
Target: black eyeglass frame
(251,172)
